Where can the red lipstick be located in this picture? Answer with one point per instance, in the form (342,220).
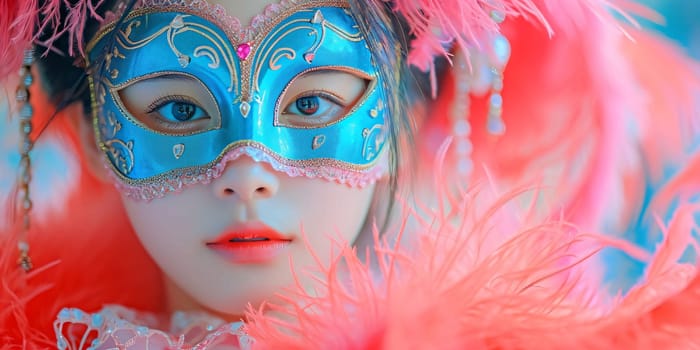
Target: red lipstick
(249,243)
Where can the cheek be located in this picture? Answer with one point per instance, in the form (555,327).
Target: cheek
(150,219)
(331,211)
(152,228)
(167,227)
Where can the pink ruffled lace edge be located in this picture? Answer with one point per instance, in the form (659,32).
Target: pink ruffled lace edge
(176,182)
(119,327)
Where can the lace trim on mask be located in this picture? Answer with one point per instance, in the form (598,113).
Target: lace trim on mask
(217,14)
(116,327)
(179,180)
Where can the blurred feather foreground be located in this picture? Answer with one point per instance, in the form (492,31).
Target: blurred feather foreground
(475,277)
(489,279)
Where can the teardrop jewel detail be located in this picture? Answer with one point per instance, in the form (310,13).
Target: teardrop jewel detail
(244,108)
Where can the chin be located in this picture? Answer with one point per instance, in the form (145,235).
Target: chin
(235,307)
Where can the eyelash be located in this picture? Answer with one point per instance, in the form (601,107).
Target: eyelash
(320,93)
(162,101)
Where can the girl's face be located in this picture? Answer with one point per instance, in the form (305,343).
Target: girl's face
(250,198)
(257,201)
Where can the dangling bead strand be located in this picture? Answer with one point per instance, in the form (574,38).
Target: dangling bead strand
(25,176)
(494,123)
(461,129)
(499,60)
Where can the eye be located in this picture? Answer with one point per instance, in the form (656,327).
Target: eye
(172,104)
(314,108)
(319,98)
(177,109)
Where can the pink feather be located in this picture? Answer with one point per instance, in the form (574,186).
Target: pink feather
(17,18)
(437,23)
(452,291)
(21,18)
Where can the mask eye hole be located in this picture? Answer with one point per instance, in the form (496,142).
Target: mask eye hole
(171,104)
(320,98)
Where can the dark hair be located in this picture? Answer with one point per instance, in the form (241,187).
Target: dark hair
(387,41)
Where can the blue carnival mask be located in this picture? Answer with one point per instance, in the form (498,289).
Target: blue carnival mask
(237,99)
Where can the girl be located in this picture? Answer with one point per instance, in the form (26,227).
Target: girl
(248,152)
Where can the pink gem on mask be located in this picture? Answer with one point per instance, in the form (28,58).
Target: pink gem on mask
(243,50)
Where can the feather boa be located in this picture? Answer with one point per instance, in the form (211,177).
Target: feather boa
(448,292)
(82,246)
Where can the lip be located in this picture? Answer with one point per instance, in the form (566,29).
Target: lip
(249,243)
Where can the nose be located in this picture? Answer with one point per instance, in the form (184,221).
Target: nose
(247,179)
